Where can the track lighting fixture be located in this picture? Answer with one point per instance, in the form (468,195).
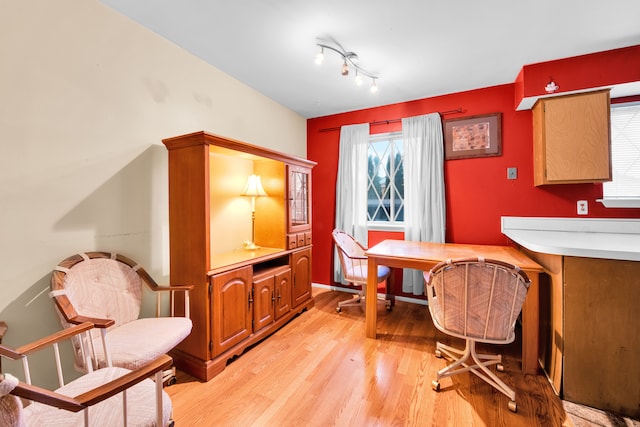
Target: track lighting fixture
(350,61)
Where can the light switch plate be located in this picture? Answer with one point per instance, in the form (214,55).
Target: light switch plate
(512,173)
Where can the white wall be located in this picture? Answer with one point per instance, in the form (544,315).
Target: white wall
(86,96)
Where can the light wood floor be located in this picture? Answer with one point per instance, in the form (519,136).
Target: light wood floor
(319,370)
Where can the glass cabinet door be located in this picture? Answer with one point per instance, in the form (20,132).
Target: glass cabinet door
(299,196)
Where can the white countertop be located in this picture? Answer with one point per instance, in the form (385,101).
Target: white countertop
(585,237)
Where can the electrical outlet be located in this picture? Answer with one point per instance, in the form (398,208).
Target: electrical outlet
(512,173)
(583,207)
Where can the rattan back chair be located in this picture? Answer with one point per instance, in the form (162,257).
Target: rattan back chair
(478,300)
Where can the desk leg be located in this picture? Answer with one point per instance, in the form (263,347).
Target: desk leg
(391,286)
(371,313)
(530,326)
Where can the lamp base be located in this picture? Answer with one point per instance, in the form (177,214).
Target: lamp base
(250,246)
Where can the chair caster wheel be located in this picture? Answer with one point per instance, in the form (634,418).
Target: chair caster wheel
(438,354)
(435,385)
(388,307)
(512,406)
(338,309)
(169,380)
(500,367)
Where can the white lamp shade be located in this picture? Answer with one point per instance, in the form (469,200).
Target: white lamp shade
(254,187)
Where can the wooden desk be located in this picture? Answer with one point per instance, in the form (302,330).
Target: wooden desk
(423,256)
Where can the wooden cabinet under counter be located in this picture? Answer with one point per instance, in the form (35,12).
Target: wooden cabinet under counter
(589,330)
(589,341)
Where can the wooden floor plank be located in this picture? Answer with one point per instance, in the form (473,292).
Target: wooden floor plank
(320,370)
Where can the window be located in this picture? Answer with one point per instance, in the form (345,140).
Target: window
(624,190)
(385,184)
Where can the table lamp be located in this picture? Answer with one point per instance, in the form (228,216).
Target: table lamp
(253,189)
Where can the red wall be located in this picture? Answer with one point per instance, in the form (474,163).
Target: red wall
(478,192)
(600,69)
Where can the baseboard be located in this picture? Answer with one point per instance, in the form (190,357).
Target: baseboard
(353,291)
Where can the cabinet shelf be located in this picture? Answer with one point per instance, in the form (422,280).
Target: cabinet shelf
(241,257)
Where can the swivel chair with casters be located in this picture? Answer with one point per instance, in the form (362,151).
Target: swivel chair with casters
(478,300)
(353,262)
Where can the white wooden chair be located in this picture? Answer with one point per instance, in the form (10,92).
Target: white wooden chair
(354,266)
(107,396)
(106,289)
(477,300)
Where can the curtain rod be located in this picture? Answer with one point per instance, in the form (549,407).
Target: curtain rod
(386,122)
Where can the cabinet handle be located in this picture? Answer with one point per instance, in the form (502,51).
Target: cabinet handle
(250,298)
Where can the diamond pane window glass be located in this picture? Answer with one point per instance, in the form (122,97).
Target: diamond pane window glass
(385,184)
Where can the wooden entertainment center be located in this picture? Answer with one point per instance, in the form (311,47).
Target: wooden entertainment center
(240,295)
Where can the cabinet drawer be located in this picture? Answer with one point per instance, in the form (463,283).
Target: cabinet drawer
(298,240)
(292,241)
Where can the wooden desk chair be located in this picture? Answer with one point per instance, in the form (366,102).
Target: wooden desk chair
(103,397)
(477,300)
(354,268)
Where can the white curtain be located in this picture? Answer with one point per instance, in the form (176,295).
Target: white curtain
(351,187)
(423,188)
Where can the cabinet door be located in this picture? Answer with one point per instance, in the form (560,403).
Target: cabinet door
(601,323)
(283,293)
(263,301)
(231,314)
(572,139)
(301,266)
(299,199)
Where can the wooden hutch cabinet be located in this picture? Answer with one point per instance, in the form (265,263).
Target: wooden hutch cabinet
(240,295)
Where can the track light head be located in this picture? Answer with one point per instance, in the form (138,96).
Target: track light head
(358,79)
(345,69)
(374,86)
(320,56)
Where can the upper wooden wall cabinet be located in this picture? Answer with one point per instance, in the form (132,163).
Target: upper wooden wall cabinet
(240,296)
(571,139)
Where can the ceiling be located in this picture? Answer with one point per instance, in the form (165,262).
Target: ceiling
(418,48)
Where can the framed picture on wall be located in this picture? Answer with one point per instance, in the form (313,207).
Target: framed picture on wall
(473,136)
